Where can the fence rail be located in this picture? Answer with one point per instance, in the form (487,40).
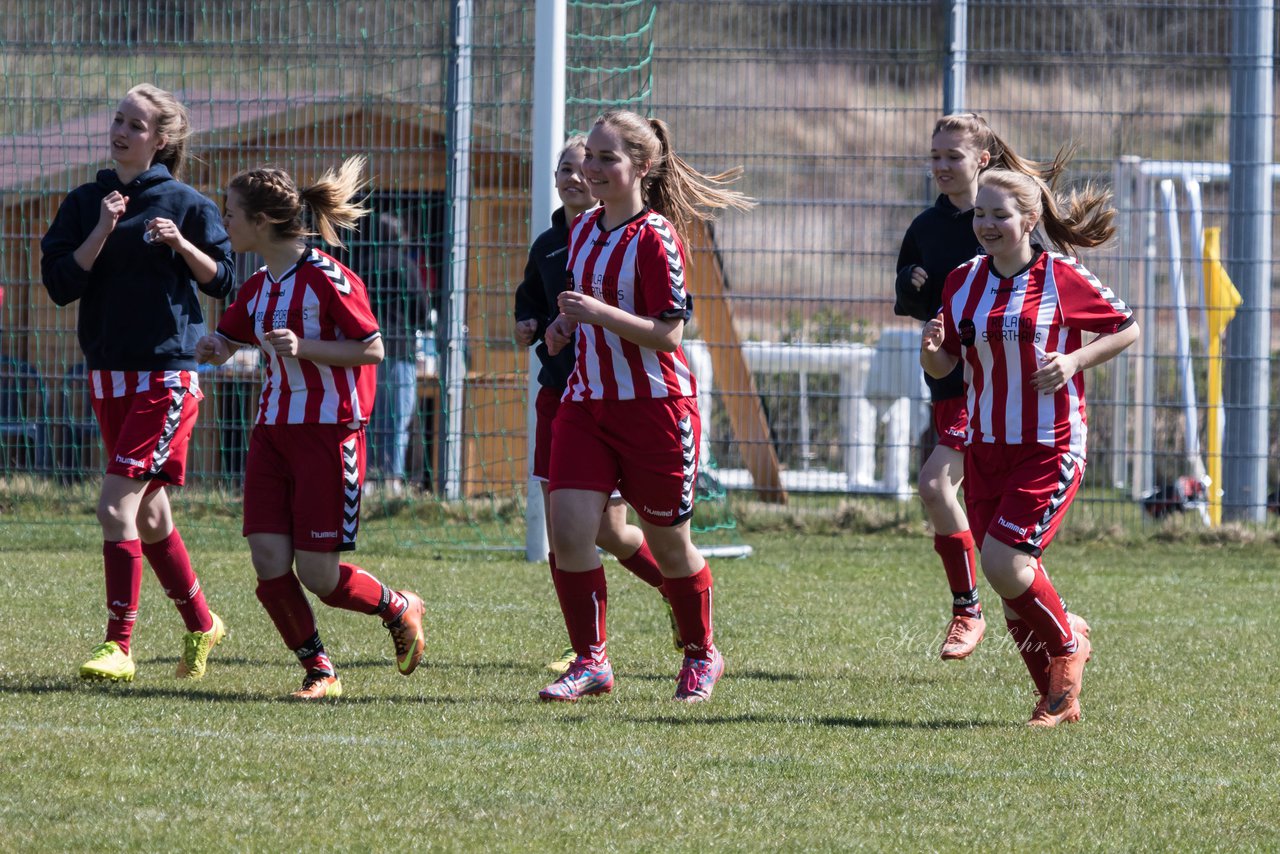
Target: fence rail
(828,106)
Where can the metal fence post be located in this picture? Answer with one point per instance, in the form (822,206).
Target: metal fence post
(1247,387)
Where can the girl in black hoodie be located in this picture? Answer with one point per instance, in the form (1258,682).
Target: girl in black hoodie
(939,240)
(544,280)
(132,247)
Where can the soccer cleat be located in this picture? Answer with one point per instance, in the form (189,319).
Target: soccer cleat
(561,664)
(584,678)
(319,685)
(1066,676)
(406,633)
(698,677)
(1079,627)
(196,647)
(1040,717)
(963,636)
(108,663)
(675,630)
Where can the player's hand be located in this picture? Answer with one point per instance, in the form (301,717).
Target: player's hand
(162,230)
(208,348)
(560,334)
(918,277)
(580,308)
(110,211)
(282,341)
(932,336)
(525,331)
(1054,372)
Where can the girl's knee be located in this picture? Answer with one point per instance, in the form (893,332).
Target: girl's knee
(938,491)
(931,491)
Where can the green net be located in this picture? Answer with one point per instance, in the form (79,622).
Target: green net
(610,59)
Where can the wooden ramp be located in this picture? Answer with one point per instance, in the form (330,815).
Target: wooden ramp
(705,279)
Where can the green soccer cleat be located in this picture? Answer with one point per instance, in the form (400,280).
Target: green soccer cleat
(108,663)
(196,647)
(561,665)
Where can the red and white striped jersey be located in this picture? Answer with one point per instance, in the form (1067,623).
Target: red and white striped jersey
(1002,328)
(108,384)
(318,299)
(638,267)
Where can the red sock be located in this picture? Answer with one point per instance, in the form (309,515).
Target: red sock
(122,562)
(287,606)
(584,599)
(1033,651)
(357,590)
(1041,608)
(691,604)
(172,565)
(643,566)
(959,560)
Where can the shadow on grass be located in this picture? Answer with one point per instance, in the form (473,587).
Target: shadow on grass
(216,660)
(859,722)
(756,675)
(854,722)
(133,691)
(497,666)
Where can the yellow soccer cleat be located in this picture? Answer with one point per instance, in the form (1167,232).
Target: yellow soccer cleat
(196,647)
(108,663)
(561,665)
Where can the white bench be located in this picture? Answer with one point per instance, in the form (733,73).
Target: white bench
(879,387)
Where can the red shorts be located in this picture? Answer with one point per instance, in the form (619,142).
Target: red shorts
(951,421)
(304,480)
(545,406)
(145,434)
(1019,494)
(647,449)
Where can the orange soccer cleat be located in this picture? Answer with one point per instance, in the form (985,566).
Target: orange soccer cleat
(963,636)
(407,635)
(1066,677)
(319,685)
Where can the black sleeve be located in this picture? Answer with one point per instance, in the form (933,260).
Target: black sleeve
(531,298)
(908,301)
(63,278)
(209,235)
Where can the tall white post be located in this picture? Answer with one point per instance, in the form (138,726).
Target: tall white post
(455,357)
(1124,181)
(953,78)
(548,136)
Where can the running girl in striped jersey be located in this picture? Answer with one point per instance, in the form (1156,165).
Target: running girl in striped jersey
(544,280)
(310,316)
(939,240)
(133,247)
(629,419)
(1015,320)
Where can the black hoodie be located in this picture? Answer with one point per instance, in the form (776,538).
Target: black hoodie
(138,308)
(544,280)
(938,240)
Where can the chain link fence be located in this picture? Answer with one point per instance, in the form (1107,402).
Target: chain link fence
(828,107)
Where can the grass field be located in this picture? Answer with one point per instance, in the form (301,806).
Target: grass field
(835,726)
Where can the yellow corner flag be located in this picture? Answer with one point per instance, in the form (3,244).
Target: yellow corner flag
(1221,299)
